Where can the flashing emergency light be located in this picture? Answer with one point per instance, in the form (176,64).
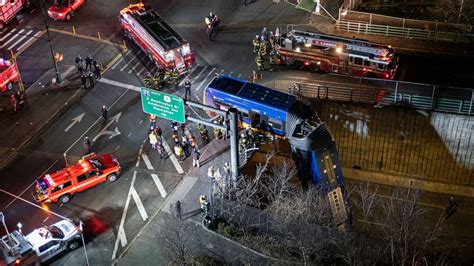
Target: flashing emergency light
(365,69)
(306,63)
(4,62)
(298,49)
(307,45)
(338,49)
(58,57)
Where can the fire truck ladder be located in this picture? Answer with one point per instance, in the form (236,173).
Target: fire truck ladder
(355,45)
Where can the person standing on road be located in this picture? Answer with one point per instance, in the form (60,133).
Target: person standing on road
(13,102)
(210,172)
(87,144)
(84,80)
(178,210)
(196,155)
(104,113)
(187,89)
(90,77)
(80,67)
(153,140)
(97,70)
(88,62)
(160,148)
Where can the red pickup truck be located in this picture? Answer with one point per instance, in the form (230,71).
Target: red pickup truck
(64,9)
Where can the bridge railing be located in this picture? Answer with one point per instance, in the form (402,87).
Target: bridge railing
(385,92)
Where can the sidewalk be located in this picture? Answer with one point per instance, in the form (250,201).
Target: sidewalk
(152,244)
(45,102)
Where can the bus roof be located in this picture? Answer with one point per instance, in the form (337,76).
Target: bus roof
(253,92)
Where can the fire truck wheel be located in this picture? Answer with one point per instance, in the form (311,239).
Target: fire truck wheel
(111,177)
(68,16)
(298,64)
(65,198)
(314,67)
(73,245)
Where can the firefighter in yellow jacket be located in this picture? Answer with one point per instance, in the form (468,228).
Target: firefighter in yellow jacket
(256,44)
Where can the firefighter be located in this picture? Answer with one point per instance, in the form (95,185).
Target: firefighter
(88,62)
(80,67)
(157,80)
(202,202)
(272,60)
(161,74)
(259,61)
(204,133)
(175,76)
(263,48)
(256,44)
(147,79)
(187,89)
(168,74)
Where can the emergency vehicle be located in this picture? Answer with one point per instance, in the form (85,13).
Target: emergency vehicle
(88,172)
(328,53)
(156,38)
(8,74)
(9,9)
(41,245)
(64,9)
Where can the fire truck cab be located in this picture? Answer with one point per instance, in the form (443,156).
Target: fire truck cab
(64,9)
(9,9)
(88,172)
(156,38)
(8,74)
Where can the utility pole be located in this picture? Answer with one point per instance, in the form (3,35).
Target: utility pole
(56,69)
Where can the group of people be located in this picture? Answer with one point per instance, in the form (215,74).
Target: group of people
(185,146)
(264,47)
(212,22)
(220,180)
(161,76)
(90,72)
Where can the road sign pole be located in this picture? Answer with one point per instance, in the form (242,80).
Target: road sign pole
(234,147)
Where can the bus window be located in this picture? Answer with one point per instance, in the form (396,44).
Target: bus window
(358,61)
(275,124)
(366,63)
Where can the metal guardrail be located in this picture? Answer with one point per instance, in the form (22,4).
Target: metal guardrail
(383,92)
(403,32)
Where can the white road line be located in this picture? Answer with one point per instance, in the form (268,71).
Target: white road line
(129,134)
(32,39)
(296,77)
(21,39)
(45,219)
(188,75)
(155,178)
(175,162)
(118,62)
(222,71)
(118,147)
(122,238)
(133,68)
(119,84)
(138,201)
(141,121)
(159,185)
(11,39)
(204,80)
(139,157)
(239,75)
(42,174)
(200,73)
(8,34)
(141,70)
(127,64)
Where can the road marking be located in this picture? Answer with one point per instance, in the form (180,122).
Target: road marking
(75,120)
(141,121)
(118,147)
(155,178)
(133,68)
(120,84)
(121,232)
(45,219)
(188,75)
(128,63)
(200,73)
(204,80)
(21,39)
(112,133)
(8,34)
(118,62)
(42,174)
(138,201)
(141,70)
(129,134)
(11,39)
(239,75)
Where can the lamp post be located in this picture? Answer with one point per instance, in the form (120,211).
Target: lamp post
(56,69)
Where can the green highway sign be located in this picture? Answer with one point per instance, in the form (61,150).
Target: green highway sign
(163,105)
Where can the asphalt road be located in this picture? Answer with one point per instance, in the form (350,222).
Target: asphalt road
(125,132)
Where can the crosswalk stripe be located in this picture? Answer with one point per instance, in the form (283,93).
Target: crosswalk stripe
(120,60)
(188,75)
(8,34)
(204,80)
(21,39)
(127,64)
(141,70)
(32,39)
(155,178)
(200,73)
(133,68)
(11,39)
(138,201)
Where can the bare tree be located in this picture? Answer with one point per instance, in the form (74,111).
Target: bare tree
(365,199)
(178,246)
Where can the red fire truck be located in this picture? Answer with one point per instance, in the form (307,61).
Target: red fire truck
(334,54)
(156,38)
(9,9)
(8,74)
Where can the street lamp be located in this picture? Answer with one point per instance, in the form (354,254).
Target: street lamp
(56,69)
